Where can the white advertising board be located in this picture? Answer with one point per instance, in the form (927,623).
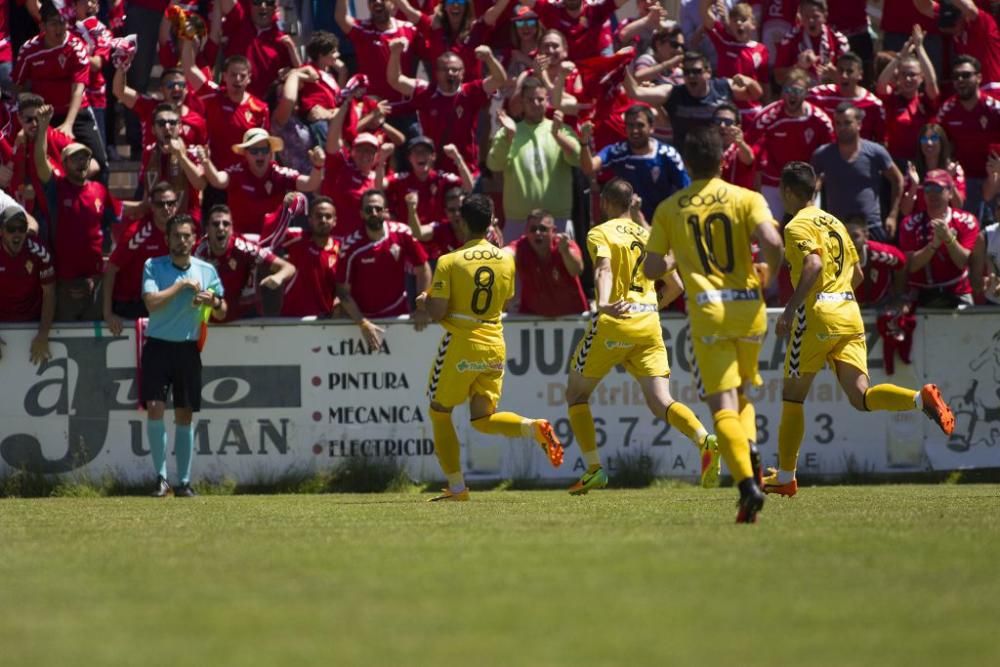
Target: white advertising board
(282,396)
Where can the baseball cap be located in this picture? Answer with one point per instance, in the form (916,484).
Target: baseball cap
(420,140)
(366,138)
(74,147)
(12,213)
(938,177)
(523,12)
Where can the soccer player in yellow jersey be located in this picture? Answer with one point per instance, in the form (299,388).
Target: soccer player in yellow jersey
(624,330)
(470,288)
(825,325)
(708,226)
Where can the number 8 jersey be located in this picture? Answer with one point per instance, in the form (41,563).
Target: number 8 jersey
(708,227)
(477,279)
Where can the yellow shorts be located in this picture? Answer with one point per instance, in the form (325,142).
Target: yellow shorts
(462,370)
(720,364)
(605,345)
(810,353)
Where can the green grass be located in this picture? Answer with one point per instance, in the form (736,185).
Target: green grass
(895,575)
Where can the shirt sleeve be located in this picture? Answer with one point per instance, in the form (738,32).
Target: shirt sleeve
(597,245)
(149,285)
(799,242)
(758,212)
(441,283)
(415,251)
(214,284)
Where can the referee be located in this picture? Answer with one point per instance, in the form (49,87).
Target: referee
(175,288)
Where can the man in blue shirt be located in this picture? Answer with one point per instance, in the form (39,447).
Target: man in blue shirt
(653,169)
(177,289)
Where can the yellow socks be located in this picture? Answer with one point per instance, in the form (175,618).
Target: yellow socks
(733,444)
(684,420)
(890,398)
(748,417)
(582,423)
(507,424)
(447,449)
(790,434)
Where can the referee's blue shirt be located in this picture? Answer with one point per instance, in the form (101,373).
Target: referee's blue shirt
(179,319)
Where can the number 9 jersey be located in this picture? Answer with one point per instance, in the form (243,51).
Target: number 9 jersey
(478,280)
(708,226)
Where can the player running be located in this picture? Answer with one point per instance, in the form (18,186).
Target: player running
(824,321)
(708,226)
(625,330)
(470,288)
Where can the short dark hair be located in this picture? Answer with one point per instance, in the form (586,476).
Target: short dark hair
(851,57)
(48,10)
(160,188)
(177,220)
(540,214)
(639,110)
(371,192)
(236,60)
(856,220)
(477,211)
(967,60)
(702,151)
(844,107)
(321,199)
(27,101)
(618,192)
(727,106)
(219,208)
(454,192)
(172,71)
(818,4)
(530,83)
(165,107)
(691,57)
(320,44)
(800,178)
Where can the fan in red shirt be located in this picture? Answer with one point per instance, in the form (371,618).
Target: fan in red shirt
(935,152)
(938,244)
(371,38)
(427,183)
(24,181)
(883,266)
(169,159)
(448,110)
(585,24)
(27,280)
(173,90)
(548,269)
(976,34)
(777,17)
(828,96)
(813,45)
(787,130)
(314,253)
(732,36)
(738,157)
(909,92)
(144,239)
(371,273)
(446,234)
(258,38)
(971,119)
(237,259)
(97,38)
(230,110)
(257,185)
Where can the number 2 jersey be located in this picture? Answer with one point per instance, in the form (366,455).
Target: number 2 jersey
(477,279)
(708,227)
(623,243)
(830,307)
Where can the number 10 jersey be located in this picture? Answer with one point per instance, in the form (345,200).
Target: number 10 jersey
(708,227)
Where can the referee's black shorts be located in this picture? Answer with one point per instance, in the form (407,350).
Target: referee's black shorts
(167,364)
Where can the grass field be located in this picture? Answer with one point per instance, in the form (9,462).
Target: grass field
(890,575)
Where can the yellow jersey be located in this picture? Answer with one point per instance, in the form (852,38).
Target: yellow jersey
(708,226)
(623,242)
(830,306)
(477,280)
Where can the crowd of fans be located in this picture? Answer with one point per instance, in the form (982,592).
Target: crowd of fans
(327,167)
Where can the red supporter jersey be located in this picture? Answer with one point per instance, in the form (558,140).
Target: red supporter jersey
(901,15)
(25,172)
(52,72)
(170,170)
(749,59)
(782,138)
(445,240)
(6,52)
(849,16)
(97,39)
(343,183)
(981,40)
(376,270)
(547,288)
(449,119)
(587,34)
(941,272)
(141,241)
(971,131)
(193,129)
(434,43)
(777,10)
(262,47)
(311,291)
(237,269)
(229,121)
(430,194)
(21,279)
(957,176)
(371,47)
(879,262)
(828,46)
(829,96)
(79,212)
(903,120)
(251,198)
(319,93)
(734,171)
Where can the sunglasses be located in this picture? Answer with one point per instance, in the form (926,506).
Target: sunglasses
(724,122)
(174,84)
(259,151)
(265,3)
(374,209)
(694,72)
(964,75)
(794,90)
(540,229)
(16,229)
(163,122)
(526,23)
(932,139)
(933,188)
(165,203)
